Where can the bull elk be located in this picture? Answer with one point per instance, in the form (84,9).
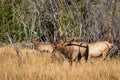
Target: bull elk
(100,48)
(73,50)
(44,46)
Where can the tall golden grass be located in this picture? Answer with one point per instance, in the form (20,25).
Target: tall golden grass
(33,67)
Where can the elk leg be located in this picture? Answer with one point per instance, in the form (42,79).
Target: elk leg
(70,61)
(86,58)
(74,60)
(52,53)
(40,53)
(90,59)
(52,56)
(87,54)
(79,57)
(104,54)
(104,57)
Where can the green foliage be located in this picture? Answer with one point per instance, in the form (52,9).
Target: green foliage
(8,23)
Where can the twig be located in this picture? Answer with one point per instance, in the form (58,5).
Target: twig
(14,47)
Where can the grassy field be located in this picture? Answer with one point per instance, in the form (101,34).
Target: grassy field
(33,67)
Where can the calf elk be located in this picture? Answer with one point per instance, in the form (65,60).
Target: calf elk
(44,47)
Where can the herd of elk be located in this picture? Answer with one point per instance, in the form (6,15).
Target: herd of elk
(74,50)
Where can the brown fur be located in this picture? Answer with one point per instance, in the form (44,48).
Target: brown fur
(73,50)
(100,48)
(44,47)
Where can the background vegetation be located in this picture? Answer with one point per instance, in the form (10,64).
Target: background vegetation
(51,20)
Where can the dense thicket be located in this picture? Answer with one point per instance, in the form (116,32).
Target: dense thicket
(51,20)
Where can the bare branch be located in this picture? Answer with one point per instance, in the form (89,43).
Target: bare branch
(14,47)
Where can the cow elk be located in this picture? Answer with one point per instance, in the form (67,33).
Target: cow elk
(100,48)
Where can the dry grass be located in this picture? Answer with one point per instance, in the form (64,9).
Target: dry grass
(33,67)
